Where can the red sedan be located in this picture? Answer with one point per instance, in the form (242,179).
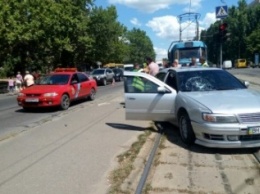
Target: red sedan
(58,89)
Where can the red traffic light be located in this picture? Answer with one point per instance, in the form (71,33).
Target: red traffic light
(223,27)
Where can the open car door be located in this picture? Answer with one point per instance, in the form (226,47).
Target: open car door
(154,101)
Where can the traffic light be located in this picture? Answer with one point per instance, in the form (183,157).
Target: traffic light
(223,32)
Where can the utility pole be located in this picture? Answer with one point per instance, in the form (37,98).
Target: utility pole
(220,47)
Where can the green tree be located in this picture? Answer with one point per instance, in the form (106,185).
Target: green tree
(106,33)
(140,46)
(36,33)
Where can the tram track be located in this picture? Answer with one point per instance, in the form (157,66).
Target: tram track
(222,162)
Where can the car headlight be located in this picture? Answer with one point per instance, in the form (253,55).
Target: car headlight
(219,118)
(52,94)
(21,94)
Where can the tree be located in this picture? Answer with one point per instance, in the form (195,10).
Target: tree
(140,46)
(106,33)
(36,33)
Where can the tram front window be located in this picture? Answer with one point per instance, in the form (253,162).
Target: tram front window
(189,53)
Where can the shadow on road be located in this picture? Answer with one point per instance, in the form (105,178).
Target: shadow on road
(172,134)
(123,126)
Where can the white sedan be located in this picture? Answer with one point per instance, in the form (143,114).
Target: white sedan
(210,106)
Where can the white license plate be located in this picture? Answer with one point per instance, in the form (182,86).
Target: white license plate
(253,130)
(31,100)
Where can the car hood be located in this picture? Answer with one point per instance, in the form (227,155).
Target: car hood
(229,101)
(40,89)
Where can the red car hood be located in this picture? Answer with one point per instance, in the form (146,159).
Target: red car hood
(40,89)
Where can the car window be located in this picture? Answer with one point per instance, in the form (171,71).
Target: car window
(82,77)
(161,76)
(98,71)
(117,71)
(136,84)
(208,80)
(54,79)
(74,78)
(171,80)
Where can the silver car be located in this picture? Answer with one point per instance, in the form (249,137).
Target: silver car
(210,106)
(103,76)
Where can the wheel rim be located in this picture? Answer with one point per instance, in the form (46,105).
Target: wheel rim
(105,82)
(65,102)
(92,94)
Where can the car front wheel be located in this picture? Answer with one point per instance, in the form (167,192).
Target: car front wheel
(104,82)
(92,94)
(186,131)
(65,102)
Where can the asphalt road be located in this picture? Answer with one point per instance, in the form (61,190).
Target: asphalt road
(13,117)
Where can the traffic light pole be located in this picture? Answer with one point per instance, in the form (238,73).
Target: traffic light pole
(220,57)
(220,48)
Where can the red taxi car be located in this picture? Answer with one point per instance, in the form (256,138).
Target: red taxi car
(58,89)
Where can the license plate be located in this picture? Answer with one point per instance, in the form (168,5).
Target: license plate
(253,130)
(31,100)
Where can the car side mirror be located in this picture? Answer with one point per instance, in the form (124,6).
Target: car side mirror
(162,90)
(247,83)
(74,82)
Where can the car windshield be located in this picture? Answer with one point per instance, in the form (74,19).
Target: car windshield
(208,80)
(129,68)
(98,71)
(116,70)
(56,79)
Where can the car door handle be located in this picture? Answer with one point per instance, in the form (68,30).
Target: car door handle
(131,98)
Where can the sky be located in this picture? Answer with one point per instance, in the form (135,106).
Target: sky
(160,18)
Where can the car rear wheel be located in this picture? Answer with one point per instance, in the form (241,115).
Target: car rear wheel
(104,82)
(186,131)
(92,94)
(65,102)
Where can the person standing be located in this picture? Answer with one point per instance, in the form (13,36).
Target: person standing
(11,84)
(203,62)
(28,79)
(152,66)
(136,67)
(19,81)
(193,62)
(176,63)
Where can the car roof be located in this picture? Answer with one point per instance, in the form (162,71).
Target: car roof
(185,69)
(102,68)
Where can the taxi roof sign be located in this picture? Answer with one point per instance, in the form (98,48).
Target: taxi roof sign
(66,70)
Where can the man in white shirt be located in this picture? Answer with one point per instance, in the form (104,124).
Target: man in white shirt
(28,79)
(152,66)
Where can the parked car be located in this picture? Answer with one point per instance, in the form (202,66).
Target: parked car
(103,75)
(58,89)
(210,106)
(119,74)
(227,64)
